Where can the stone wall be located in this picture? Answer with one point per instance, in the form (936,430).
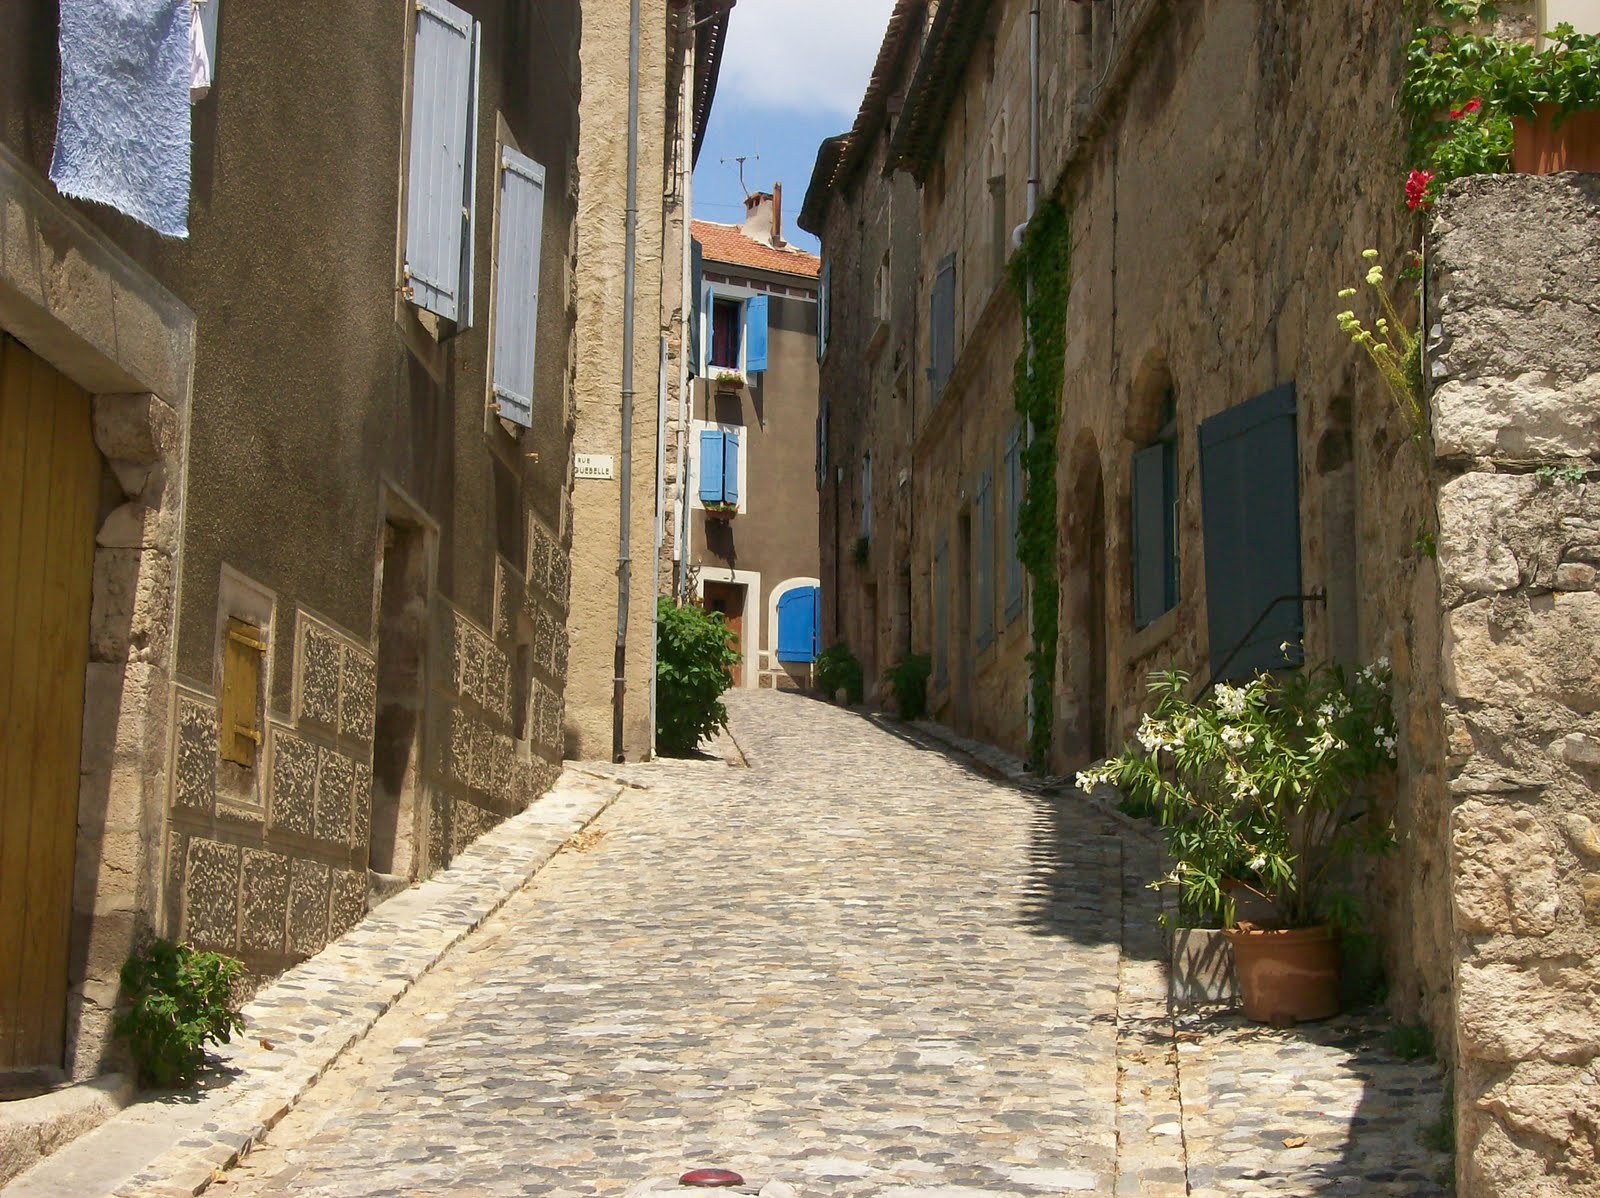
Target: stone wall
(1514,357)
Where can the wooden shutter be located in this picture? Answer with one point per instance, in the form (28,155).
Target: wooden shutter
(983,548)
(1153,533)
(730,467)
(710,466)
(516,287)
(755,334)
(242,653)
(443,99)
(1250,491)
(943,319)
(1013,483)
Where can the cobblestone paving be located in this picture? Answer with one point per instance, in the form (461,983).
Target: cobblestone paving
(858,967)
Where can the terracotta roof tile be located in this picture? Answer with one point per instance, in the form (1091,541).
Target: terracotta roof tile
(727,243)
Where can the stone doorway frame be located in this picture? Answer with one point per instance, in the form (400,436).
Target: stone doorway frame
(78,301)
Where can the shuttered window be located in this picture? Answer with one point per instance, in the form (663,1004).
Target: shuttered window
(755,334)
(240,714)
(1013,483)
(719,466)
(1250,490)
(983,566)
(697,311)
(516,287)
(440,185)
(942,324)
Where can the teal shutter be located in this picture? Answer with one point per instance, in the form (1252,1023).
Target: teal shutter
(710,466)
(516,287)
(1013,482)
(730,467)
(1250,491)
(755,334)
(942,318)
(443,94)
(1154,534)
(692,335)
(983,547)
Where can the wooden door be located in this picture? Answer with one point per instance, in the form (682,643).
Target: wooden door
(49,496)
(728,598)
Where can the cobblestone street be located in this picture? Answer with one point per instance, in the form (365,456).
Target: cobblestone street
(856,966)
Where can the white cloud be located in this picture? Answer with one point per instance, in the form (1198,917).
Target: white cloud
(802,55)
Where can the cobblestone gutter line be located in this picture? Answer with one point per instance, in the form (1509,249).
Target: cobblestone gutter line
(303,1022)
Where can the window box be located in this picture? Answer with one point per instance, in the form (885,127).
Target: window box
(728,380)
(721,511)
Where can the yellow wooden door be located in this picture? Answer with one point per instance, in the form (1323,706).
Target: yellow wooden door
(49,496)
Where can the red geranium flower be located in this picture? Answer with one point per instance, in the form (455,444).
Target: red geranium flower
(1467,109)
(1417,185)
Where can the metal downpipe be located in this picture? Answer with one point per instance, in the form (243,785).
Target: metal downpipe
(625,471)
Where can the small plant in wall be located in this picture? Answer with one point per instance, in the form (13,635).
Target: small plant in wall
(1395,349)
(178,1000)
(1265,787)
(908,681)
(838,671)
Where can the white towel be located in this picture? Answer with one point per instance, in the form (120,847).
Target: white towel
(123,134)
(199,56)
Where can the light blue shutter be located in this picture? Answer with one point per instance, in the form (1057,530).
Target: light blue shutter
(730,467)
(1013,473)
(443,89)
(710,466)
(516,299)
(755,334)
(469,187)
(797,625)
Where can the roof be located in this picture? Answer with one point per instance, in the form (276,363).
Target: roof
(727,243)
(951,40)
(840,158)
(713,21)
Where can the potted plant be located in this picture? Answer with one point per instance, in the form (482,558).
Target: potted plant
(1265,788)
(727,378)
(721,510)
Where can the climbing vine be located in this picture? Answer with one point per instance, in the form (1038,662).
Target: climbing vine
(1041,273)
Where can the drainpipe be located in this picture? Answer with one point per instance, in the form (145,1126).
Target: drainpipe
(661,525)
(686,127)
(625,471)
(1033,207)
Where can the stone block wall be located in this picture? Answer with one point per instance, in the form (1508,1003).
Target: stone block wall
(1514,357)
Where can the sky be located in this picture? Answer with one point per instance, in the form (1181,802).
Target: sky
(792,75)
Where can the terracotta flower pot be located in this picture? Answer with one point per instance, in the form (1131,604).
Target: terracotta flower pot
(1541,147)
(1286,974)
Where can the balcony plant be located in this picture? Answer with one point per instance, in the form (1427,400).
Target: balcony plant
(727,378)
(1267,788)
(721,510)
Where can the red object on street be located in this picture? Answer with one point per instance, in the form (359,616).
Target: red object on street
(711,1178)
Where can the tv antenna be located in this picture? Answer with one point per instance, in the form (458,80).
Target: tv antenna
(741,159)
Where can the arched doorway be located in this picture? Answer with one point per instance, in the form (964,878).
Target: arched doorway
(1082,698)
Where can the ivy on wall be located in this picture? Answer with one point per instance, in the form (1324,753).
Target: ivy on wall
(1041,273)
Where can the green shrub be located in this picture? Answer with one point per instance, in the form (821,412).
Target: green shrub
(179,1000)
(695,658)
(838,670)
(908,678)
(1411,1042)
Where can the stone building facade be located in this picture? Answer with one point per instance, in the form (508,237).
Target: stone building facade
(680,53)
(330,522)
(749,516)
(1206,382)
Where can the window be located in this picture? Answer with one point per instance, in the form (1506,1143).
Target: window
(942,324)
(824,309)
(1012,471)
(1249,476)
(983,555)
(441,185)
(866,495)
(999,234)
(1155,522)
(516,284)
(719,466)
(242,653)
(736,334)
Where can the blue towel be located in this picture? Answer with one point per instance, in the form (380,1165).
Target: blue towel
(123,135)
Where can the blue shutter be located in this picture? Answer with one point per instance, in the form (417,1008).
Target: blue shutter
(797,625)
(1013,472)
(730,467)
(1152,533)
(755,334)
(516,287)
(824,300)
(443,88)
(983,517)
(692,335)
(1250,490)
(943,316)
(710,466)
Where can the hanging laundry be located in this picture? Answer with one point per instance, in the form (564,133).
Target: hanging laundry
(199,50)
(122,137)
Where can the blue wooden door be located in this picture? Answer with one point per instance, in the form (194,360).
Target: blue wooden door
(797,624)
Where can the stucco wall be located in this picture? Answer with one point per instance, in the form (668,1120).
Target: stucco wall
(1514,331)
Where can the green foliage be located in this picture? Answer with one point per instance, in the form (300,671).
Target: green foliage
(1440,1135)
(908,679)
(1548,476)
(1262,784)
(1396,351)
(1463,87)
(838,670)
(1041,274)
(179,1000)
(861,552)
(1411,1042)
(695,658)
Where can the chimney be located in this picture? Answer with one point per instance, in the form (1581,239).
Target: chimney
(763,216)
